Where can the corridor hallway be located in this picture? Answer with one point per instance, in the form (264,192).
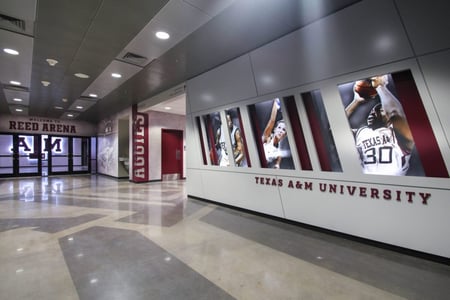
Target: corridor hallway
(94,237)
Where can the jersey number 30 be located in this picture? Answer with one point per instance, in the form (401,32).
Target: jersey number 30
(384,155)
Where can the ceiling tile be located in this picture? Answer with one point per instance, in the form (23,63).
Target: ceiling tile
(14,110)
(83,103)
(16,67)
(210,7)
(177,18)
(17,94)
(105,83)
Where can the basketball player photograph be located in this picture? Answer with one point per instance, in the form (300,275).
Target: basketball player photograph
(381,132)
(218,151)
(271,129)
(236,137)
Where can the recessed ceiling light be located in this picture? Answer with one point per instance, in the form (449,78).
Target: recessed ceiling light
(81,75)
(116,75)
(162,35)
(70,115)
(19,109)
(11,51)
(51,61)
(17,100)
(167,108)
(45,83)
(64,99)
(15,82)
(79,107)
(58,107)
(93,95)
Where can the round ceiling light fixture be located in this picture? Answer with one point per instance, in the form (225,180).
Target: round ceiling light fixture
(45,83)
(162,35)
(116,75)
(13,82)
(51,61)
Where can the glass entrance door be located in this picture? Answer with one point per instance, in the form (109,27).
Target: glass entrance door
(20,155)
(80,154)
(27,151)
(59,154)
(6,155)
(43,155)
(67,155)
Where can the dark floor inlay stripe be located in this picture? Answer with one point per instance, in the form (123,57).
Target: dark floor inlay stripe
(50,225)
(108,263)
(407,276)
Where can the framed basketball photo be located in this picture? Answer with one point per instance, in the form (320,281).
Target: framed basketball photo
(391,130)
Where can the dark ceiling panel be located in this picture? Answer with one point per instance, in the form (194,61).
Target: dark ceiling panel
(87,35)
(244,26)
(84,36)
(60,29)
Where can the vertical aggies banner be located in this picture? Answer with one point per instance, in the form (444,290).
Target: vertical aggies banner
(140,146)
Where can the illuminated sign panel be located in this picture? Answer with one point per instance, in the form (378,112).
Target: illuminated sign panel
(26,146)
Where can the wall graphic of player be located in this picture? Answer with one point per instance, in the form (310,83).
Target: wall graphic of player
(271,135)
(216,140)
(220,145)
(237,142)
(385,142)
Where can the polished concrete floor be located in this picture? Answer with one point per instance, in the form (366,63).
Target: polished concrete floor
(93,237)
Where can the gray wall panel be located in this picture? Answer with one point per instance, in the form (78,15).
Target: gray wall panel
(436,69)
(225,84)
(426,23)
(349,40)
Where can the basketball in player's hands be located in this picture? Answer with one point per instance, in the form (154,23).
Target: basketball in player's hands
(364,89)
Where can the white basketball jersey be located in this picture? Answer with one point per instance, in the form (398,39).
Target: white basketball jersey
(380,152)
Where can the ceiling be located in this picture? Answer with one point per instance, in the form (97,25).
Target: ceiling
(101,37)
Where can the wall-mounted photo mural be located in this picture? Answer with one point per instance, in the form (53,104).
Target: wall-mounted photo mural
(217,146)
(270,132)
(237,138)
(391,129)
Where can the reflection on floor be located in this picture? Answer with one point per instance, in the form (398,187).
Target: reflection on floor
(92,237)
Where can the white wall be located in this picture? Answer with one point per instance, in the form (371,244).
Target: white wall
(157,122)
(394,36)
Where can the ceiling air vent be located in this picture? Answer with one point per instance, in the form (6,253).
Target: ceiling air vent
(177,90)
(16,88)
(134,58)
(11,23)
